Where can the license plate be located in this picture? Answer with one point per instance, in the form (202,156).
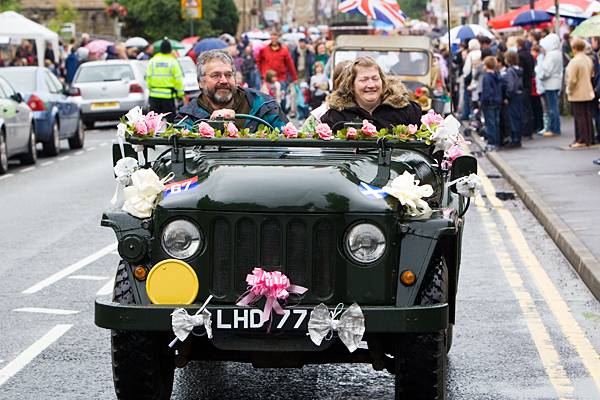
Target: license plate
(250,318)
(105,105)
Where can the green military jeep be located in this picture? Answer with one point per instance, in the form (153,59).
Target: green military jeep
(311,209)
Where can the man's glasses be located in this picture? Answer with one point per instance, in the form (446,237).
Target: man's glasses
(217,75)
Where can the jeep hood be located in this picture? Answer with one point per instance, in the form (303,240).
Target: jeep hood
(293,181)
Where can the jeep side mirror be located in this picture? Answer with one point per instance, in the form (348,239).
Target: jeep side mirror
(462,166)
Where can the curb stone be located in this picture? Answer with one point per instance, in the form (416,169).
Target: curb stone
(583,261)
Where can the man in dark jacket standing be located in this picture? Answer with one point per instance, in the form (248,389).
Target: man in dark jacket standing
(221,97)
(527,64)
(304,58)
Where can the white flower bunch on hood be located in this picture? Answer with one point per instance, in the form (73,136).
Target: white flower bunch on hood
(407,190)
(135,115)
(141,195)
(447,134)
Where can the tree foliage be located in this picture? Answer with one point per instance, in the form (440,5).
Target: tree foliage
(155,19)
(413,8)
(10,5)
(65,12)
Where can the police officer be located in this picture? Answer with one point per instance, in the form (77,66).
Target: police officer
(165,81)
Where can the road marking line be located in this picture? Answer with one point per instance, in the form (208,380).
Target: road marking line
(27,169)
(91,148)
(548,354)
(559,308)
(56,311)
(88,277)
(103,144)
(46,163)
(5,176)
(31,352)
(107,289)
(70,269)
(80,152)
(63,158)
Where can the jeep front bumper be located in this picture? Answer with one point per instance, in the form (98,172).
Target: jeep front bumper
(378,319)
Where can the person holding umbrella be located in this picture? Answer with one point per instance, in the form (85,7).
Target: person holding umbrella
(165,81)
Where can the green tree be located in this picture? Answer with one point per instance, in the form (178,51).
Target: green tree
(413,8)
(64,12)
(228,17)
(10,5)
(155,19)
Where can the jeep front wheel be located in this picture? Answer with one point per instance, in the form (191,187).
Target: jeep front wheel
(142,363)
(421,362)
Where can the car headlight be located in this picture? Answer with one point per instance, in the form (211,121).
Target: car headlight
(181,239)
(365,243)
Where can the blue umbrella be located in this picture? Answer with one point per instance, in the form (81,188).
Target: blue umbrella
(209,44)
(531,17)
(464,33)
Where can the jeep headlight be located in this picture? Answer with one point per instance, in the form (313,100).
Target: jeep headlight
(365,243)
(181,239)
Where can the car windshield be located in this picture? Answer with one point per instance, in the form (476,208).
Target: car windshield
(187,65)
(104,73)
(23,80)
(393,62)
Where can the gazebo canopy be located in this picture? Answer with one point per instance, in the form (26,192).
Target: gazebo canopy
(15,25)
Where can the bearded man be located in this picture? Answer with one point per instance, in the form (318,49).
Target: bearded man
(221,97)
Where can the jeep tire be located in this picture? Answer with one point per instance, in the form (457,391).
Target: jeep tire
(421,362)
(142,363)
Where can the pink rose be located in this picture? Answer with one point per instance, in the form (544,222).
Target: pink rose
(432,118)
(290,131)
(205,130)
(351,133)
(412,129)
(141,128)
(324,131)
(368,128)
(232,130)
(454,152)
(154,121)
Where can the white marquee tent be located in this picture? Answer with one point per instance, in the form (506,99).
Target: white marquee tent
(14,25)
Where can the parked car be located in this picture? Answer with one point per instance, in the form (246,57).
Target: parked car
(17,136)
(56,115)
(108,89)
(190,77)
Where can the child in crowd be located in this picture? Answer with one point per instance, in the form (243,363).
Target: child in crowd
(271,85)
(491,100)
(318,85)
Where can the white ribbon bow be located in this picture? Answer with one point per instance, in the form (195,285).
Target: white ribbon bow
(467,186)
(123,170)
(183,323)
(350,326)
(141,195)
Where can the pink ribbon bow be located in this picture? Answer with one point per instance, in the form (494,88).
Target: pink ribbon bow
(274,286)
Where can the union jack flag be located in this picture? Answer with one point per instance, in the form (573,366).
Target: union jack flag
(383,10)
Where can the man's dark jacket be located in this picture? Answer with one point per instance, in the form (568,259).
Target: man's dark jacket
(527,64)
(261,105)
(491,90)
(395,109)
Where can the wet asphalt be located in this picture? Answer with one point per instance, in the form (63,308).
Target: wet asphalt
(49,220)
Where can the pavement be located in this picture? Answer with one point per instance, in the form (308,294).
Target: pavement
(561,187)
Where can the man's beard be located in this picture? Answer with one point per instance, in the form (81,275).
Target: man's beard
(220,100)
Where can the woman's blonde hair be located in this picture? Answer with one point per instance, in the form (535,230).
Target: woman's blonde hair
(345,89)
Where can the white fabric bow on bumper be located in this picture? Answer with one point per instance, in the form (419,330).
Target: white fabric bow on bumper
(183,323)
(350,327)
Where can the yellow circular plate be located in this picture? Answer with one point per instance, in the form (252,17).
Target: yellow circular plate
(172,282)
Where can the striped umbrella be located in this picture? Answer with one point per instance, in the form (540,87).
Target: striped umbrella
(588,28)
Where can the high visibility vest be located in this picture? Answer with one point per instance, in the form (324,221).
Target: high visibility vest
(164,77)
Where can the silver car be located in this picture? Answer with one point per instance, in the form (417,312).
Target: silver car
(106,90)
(17,136)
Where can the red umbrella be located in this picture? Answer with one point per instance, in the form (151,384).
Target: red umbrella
(98,46)
(505,20)
(190,40)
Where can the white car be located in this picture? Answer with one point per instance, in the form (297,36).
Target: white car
(190,76)
(106,90)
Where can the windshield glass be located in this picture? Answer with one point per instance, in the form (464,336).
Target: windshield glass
(393,62)
(104,73)
(22,80)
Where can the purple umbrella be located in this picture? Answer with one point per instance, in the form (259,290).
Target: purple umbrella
(209,44)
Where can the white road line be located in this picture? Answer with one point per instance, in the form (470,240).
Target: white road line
(46,163)
(27,169)
(5,176)
(80,152)
(56,311)
(91,148)
(63,158)
(13,367)
(70,269)
(88,277)
(103,144)
(106,289)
